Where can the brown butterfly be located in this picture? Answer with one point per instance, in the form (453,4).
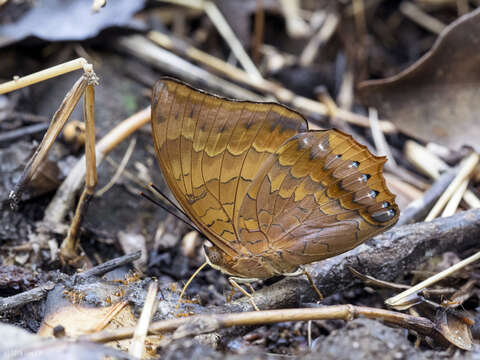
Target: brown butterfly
(267,192)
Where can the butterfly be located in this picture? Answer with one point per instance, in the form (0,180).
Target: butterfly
(270,194)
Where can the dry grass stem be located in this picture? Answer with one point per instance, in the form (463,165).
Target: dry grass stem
(454,201)
(398,299)
(432,166)
(296,26)
(417,15)
(423,159)
(64,198)
(110,316)
(370,280)
(379,138)
(172,43)
(321,37)
(402,187)
(90,161)
(39,76)
(283,95)
(356,119)
(161,59)
(194,4)
(359,16)
(259,30)
(69,246)
(229,36)
(467,167)
(121,167)
(471,199)
(149,307)
(141,47)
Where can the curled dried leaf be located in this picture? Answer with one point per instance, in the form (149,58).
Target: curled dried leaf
(436,99)
(454,329)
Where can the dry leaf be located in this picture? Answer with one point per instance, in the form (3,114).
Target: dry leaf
(54,20)
(455,330)
(85,309)
(437,98)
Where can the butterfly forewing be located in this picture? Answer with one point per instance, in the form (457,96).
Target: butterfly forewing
(210,149)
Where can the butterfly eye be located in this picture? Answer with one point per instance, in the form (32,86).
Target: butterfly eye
(385,204)
(373,194)
(355,164)
(338,156)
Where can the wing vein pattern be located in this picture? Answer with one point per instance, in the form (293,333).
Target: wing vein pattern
(210,150)
(270,194)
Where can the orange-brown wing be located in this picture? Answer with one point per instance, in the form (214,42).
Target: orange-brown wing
(320,194)
(211,148)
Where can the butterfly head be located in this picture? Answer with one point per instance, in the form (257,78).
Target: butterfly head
(248,268)
(218,259)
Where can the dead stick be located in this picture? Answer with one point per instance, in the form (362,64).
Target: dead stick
(199,324)
(109,265)
(26,297)
(386,256)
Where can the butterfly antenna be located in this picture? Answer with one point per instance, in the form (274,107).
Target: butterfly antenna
(159,193)
(188,283)
(166,208)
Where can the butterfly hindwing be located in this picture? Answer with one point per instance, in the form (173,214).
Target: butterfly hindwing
(320,194)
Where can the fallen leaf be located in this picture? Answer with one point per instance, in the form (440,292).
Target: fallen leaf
(60,20)
(437,98)
(455,330)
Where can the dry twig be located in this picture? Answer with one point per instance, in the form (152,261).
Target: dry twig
(400,298)
(200,324)
(26,297)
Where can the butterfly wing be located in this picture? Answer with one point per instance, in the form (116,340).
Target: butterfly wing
(211,148)
(320,194)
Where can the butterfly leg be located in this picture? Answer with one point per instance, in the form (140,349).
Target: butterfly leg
(232,292)
(310,280)
(244,292)
(229,297)
(302,271)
